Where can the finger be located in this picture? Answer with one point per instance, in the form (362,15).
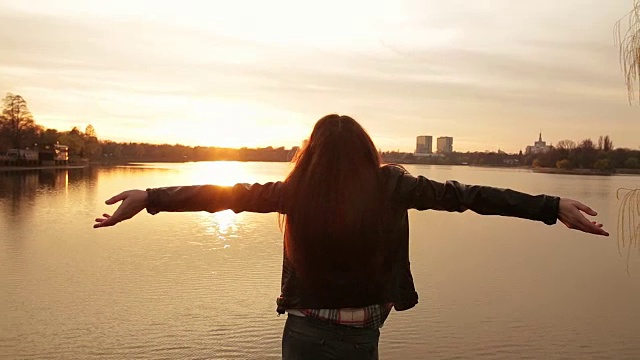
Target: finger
(600,231)
(105,222)
(115,199)
(591,227)
(584,224)
(106,215)
(585,208)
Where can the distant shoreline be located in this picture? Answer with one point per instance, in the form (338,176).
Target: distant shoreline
(539,170)
(43,167)
(586,172)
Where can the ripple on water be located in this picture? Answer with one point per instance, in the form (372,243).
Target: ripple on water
(204,285)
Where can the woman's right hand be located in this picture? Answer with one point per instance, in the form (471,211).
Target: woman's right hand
(133,201)
(570,214)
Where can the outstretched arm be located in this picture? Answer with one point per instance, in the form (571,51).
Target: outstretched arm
(261,198)
(422,194)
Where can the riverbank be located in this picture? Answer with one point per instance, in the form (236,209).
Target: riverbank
(592,172)
(589,172)
(51,167)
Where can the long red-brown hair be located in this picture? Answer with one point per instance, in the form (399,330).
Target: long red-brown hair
(334,203)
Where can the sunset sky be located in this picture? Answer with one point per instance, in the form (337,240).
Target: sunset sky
(492,74)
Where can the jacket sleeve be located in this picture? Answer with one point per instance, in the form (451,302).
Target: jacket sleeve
(421,193)
(260,198)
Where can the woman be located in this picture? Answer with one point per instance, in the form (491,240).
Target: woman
(346,233)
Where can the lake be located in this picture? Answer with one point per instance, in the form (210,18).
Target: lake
(203,286)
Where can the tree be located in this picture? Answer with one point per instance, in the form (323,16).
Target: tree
(92,148)
(74,140)
(49,136)
(585,154)
(566,145)
(564,164)
(605,143)
(602,164)
(90,132)
(628,42)
(587,144)
(16,124)
(627,31)
(631,163)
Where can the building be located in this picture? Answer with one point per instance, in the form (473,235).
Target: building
(445,144)
(55,154)
(539,147)
(424,145)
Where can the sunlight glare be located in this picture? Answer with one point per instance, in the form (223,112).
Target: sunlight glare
(225,173)
(220,224)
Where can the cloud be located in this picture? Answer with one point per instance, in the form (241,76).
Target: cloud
(437,67)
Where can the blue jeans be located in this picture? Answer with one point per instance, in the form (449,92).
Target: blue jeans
(313,339)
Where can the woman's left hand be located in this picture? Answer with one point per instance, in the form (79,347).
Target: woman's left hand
(133,201)
(570,214)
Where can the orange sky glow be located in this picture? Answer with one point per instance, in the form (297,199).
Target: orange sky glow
(492,74)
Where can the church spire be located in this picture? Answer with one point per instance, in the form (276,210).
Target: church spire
(540,137)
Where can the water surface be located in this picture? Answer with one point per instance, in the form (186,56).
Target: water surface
(200,285)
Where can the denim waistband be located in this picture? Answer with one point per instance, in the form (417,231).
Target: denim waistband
(324,329)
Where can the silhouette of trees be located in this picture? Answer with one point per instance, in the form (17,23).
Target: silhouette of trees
(19,130)
(49,136)
(608,144)
(605,143)
(92,148)
(586,154)
(631,163)
(627,31)
(566,155)
(90,132)
(17,127)
(74,140)
(86,145)
(567,145)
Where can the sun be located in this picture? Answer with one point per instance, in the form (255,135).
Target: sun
(224,173)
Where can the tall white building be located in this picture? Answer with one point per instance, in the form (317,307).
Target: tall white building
(538,147)
(424,145)
(445,144)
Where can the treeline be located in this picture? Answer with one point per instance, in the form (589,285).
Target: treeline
(116,152)
(586,155)
(499,158)
(565,155)
(18,130)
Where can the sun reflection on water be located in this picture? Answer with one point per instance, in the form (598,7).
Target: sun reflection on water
(221,227)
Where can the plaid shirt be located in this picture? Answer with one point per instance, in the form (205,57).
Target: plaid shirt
(372,316)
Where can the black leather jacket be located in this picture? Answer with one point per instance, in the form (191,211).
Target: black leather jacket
(402,190)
